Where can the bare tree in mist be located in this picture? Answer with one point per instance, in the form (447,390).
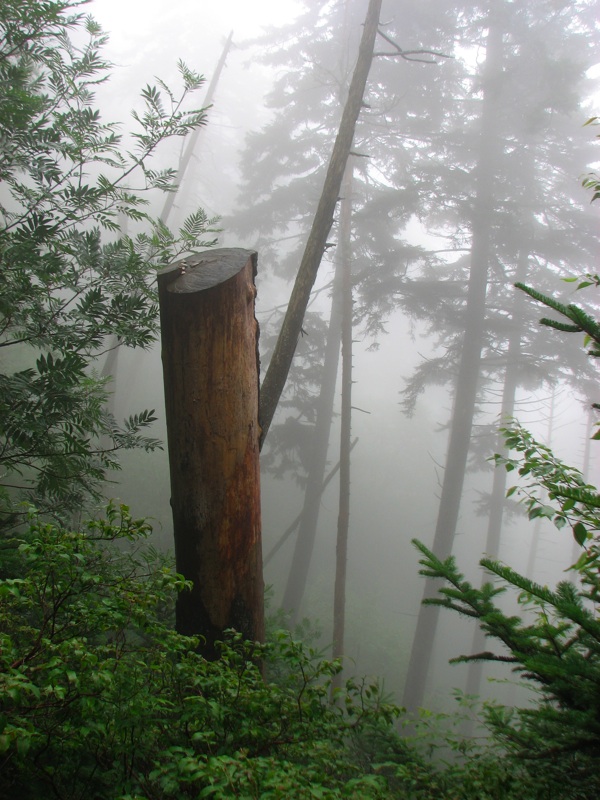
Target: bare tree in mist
(341,558)
(369,146)
(498,492)
(279,365)
(191,144)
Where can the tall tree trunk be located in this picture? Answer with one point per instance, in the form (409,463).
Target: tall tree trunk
(192,140)
(210,361)
(585,471)
(281,360)
(468,373)
(111,362)
(341,554)
(498,495)
(309,519)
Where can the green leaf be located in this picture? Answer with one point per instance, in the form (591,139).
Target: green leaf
(68,292)
(580,533)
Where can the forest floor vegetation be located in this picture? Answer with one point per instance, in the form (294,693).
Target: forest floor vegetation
(101,697)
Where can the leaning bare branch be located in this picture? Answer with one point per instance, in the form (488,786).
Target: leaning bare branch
(409,55)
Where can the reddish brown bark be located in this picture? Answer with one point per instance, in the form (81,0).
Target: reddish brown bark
(210,364)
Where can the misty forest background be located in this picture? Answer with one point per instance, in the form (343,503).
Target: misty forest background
(418,186)
(465,177)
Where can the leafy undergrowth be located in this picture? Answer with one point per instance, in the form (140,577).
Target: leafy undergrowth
(100,697)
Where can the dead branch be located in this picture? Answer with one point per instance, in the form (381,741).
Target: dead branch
(407,55)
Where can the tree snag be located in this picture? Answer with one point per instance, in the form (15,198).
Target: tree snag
(211,367)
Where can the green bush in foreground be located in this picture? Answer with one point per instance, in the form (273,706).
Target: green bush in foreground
(554,644)
(100,697)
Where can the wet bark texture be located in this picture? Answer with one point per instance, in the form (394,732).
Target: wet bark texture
(210,363)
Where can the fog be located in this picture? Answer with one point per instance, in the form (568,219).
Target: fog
(408,229)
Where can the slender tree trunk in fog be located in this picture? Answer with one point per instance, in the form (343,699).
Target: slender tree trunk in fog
(111,363)
(109,370)
(303,550)
(468,373)
(315,484)
(192,140)
(296,584)
(281,360)
(498,495)
(585,471)
(341,552)
(210,362)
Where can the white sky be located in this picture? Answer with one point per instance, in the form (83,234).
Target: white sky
(158,23)
(148,37)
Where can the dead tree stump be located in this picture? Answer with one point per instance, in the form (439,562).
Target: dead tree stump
(211,371)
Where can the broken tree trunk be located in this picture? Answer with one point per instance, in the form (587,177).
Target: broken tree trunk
(210,365)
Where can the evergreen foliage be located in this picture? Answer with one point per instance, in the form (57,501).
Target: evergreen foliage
(422,146)
(72,287)
(554,643)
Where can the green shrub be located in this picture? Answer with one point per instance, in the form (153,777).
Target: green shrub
(100,697)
